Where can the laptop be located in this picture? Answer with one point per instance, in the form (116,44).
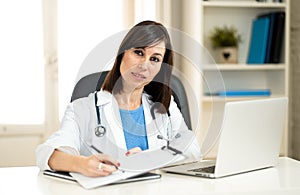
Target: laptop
(250,139)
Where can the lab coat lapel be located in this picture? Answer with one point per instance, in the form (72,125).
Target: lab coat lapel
(111,117)
(152,132)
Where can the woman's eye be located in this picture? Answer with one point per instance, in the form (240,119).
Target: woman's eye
(155,59)
(138,52)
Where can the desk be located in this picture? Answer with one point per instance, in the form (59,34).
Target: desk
(282,179)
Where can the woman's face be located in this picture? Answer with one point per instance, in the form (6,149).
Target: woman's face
(140,65)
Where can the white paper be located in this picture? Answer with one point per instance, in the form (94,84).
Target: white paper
(93,182)
(154,159)
(148,160)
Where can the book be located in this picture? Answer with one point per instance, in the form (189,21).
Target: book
(259,40)
(275,39)
(246,92)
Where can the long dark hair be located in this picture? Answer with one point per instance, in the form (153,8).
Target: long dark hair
(142,35)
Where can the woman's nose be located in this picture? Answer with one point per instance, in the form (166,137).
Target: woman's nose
(144,63)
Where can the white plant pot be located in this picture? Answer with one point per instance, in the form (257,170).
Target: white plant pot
(228,55)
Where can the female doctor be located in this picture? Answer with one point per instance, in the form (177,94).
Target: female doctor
(138,80)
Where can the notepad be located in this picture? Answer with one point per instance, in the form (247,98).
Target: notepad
(93,182)
(67,176)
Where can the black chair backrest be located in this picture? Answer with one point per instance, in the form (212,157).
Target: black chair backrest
(93,82)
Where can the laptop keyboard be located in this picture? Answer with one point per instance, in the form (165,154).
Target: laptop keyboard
(204,170)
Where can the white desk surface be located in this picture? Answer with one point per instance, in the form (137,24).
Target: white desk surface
(282,179)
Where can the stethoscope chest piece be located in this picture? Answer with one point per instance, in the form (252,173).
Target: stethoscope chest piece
(100,131)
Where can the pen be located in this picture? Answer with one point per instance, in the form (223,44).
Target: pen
(97,150)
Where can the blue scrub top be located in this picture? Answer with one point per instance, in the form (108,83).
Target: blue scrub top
(134,128)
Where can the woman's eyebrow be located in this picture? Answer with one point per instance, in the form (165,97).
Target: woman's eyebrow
(158,54)
(143,48)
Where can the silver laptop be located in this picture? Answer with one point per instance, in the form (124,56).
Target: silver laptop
(250,139)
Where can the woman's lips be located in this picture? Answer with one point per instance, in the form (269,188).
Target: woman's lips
(140,76)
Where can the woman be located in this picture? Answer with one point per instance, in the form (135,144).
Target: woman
(138,81)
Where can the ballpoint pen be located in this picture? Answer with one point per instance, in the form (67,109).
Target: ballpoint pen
(100,152)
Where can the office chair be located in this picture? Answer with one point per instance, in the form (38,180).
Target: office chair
(93,82)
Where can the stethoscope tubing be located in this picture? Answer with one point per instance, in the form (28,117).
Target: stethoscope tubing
(100,130)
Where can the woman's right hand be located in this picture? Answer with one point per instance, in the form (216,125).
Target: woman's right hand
(96,165)
(93,166)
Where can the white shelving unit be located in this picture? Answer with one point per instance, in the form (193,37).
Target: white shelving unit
(275,77)
(243,3)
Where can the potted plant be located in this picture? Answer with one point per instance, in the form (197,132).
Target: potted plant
(225,40)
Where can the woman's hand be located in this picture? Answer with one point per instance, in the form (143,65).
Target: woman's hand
(133,151)
(97,165)
(93,166)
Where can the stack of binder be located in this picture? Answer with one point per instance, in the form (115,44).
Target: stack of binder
(266,38)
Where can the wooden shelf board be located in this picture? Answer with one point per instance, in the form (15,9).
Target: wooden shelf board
(208,99)
(245,4)
(244,67)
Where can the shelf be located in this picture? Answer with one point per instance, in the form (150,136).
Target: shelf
(243,4)
(209,99)
(237,67)
(218,77)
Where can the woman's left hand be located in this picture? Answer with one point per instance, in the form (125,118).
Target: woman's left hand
(133,151)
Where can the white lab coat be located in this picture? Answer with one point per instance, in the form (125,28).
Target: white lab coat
(77,131)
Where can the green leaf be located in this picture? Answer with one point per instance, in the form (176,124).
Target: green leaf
(225,37)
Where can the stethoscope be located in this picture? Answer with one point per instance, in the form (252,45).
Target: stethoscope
(169,130)
(100,129)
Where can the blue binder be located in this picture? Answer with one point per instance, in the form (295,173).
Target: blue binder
(246,92)
(259,40)
(275,36)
